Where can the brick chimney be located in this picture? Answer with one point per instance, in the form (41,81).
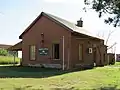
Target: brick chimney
(80,23)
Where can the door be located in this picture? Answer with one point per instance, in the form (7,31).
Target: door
(94,56)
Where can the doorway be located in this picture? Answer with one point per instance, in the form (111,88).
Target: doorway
(94,56)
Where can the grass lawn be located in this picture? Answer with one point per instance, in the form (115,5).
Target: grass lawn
(8,60)
(28,78)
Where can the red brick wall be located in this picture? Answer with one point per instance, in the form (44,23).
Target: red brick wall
(53,33)
(87,57)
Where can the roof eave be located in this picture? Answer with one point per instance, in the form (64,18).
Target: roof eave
(20,37)
(87,35)
(64,26)
(16,47)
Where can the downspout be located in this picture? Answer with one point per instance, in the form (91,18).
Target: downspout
(68,58)
(63,54)
(69,46)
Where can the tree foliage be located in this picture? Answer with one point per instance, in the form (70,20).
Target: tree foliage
(3,52)
(112,7)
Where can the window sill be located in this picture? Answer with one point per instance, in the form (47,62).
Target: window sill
(32,59)
(56,59)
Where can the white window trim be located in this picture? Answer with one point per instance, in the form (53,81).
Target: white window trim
(31,52)
(80,57)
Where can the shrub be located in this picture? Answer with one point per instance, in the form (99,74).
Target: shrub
(3,52)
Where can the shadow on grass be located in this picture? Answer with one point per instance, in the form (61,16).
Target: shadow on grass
(108,88)
(101,88)
(24,88)
(72,88)
(30,72)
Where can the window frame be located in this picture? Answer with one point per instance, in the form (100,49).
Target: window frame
(80,46)
(53,53)
(104,57)
(31,55)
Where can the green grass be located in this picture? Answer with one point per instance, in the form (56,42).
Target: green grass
(28,78)
(8,60)
(117,64)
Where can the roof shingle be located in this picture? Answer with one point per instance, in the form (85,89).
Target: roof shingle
(71,26)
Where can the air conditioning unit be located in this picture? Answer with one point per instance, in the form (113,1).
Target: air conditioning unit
(90,50)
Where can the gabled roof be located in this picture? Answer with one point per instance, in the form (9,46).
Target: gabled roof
(4,46)
(62,22)
(16,47)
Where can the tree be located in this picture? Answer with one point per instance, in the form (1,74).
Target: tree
(3,52)
(111,7)
(107,40)
(110,47)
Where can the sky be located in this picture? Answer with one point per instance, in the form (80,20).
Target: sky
(16,15)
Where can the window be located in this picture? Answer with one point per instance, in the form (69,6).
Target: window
(80,51)
(32,52)
(56,51)
(104,57)
(108,57)
(90,50)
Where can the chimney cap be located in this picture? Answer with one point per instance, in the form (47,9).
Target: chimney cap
(80,22)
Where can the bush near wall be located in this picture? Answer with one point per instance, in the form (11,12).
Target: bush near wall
(9,60)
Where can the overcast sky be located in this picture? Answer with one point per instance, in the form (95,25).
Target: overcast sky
(16,15)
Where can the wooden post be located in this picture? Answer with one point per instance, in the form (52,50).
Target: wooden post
(14,52)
